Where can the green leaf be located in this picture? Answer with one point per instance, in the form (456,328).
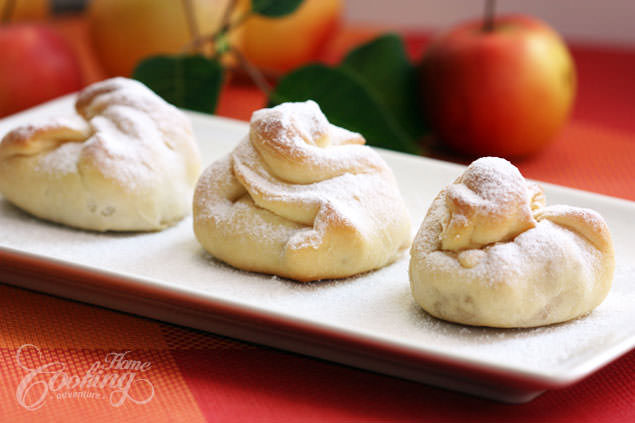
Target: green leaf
(383,64)
(275,8)
(346,101)
(190,82)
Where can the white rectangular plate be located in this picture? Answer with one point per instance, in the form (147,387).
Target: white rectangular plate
(369,321)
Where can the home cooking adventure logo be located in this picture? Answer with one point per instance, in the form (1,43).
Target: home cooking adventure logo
(114,379)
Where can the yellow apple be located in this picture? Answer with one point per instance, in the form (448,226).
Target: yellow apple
(27,10)
(281,44)
(126,31)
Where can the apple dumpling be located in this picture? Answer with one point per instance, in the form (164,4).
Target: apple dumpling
(490,253)
(127,161)
(301,198)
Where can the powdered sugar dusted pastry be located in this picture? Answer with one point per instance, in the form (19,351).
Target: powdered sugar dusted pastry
(490,253)
(302,199)
(127,162)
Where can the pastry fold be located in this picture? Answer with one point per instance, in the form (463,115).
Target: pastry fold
(127,161)
(490,253)
(301,198)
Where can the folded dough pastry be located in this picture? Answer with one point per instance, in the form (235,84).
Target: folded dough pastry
(126,162)
(302,199)
(490,253)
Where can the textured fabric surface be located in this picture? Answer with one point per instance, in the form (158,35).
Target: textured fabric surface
(199,376)
(194,376)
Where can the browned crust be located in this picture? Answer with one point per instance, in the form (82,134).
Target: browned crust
(32,139)
(586,222)
(84,102)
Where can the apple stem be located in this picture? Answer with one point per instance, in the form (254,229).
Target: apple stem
(197,40)
(220,37)
(488,22)
(254,73)
(190,17)
(7,11)
(229,25)
(228,14)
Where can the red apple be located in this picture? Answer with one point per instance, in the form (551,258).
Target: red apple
(36,64)
(502,91)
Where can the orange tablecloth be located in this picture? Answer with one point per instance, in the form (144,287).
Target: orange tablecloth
(193,376)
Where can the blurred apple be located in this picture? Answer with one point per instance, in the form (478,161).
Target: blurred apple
(281,44)
(502,91)
(126,31)
(27,10)
(36,64)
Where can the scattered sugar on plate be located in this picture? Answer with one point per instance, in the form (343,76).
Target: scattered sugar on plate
(376,303)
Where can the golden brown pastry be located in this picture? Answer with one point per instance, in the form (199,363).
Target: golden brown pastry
(302,199)
(490,253)
(126,162)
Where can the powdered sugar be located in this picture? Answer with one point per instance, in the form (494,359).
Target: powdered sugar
(529,272)
(60,161)
(489,202)
(127,135)
(308,123)
(492,182)
(377,304)
(298,145)
(124,147)
(290,167)
(124,160)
